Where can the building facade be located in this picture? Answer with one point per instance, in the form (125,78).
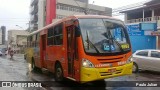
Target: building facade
(2,35)
(44,12)
(146,13)
(17,39)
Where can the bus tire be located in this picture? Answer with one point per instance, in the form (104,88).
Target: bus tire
(135,68)
(58,72)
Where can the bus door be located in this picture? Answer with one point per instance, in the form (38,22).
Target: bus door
(71,51)
(43,50)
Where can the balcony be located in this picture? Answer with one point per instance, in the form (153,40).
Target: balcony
(34,9)
(147,19)
(34,2)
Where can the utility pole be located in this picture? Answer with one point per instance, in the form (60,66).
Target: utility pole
(29,26)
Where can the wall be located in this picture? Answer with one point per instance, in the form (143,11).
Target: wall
(13,35)
(50,11)
(142,39)
(22,40)
(41,13)
(143,42)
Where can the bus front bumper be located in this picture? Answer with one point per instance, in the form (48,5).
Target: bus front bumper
(92,74)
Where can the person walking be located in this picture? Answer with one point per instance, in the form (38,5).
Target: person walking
(11,52)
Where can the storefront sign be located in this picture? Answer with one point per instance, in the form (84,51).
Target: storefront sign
(134,30)
(155,33)
(148,26)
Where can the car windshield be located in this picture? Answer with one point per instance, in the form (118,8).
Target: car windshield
(103,35)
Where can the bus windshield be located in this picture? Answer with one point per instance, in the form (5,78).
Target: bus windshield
(104,36)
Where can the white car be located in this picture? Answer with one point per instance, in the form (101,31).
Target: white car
(2,52)
(146,60)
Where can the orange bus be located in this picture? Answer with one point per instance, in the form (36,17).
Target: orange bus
(82,48)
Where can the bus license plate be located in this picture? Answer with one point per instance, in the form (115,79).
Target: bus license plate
(112,70)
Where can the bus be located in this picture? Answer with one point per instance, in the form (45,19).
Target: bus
(82,48)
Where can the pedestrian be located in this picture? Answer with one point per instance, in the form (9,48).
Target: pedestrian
(9,49)
(11,54)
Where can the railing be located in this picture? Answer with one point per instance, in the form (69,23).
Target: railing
(148,19)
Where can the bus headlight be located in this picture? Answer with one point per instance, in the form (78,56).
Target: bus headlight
(129,59)
(86,63)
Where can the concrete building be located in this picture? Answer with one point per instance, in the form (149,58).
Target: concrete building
(146,13)
(44,12)
(2,35)
(17,39)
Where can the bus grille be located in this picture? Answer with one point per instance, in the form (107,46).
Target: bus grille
(110,60)
(108,73)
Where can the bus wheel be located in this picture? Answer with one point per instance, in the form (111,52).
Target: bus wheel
(135,68)
(58,72)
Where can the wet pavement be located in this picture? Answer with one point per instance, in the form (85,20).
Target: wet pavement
(19,70)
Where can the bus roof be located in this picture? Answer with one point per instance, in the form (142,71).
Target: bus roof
(94,16)
(72,17)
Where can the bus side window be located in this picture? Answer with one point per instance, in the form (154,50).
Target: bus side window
(58,34)
(37,39)
(50,36)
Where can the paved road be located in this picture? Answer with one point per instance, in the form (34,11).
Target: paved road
(19,70)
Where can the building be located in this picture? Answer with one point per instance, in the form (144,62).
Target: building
(44,12)
(2,35)
(148,14)
(17,39)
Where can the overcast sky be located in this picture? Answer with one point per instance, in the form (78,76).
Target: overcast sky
(16,12)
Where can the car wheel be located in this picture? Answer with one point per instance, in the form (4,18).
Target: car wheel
(135,68)
(58,72)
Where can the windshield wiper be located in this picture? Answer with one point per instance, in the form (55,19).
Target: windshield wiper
(88,41)
(119,45)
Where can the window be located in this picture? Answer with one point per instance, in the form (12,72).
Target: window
(50,36)
(34,40)
(58,36)
(58,6)
(37,40)
(142,53)
(81,10)
(70,8)
(61,7)
(65,7)
(155,54)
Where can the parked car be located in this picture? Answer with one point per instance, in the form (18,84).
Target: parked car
(146,60)
(3,52)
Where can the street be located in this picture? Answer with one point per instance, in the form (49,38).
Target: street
(19,70)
